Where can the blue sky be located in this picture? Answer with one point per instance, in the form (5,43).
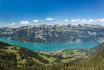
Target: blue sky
(18,10)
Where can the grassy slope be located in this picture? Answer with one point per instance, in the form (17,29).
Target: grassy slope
(95,62)
(16,58)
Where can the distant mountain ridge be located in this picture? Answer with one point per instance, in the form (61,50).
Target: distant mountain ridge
(55,33)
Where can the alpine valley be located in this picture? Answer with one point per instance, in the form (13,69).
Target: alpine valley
(52,47)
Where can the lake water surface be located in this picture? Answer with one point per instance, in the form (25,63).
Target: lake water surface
(51,46)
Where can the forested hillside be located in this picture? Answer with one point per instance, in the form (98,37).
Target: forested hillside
(17,58)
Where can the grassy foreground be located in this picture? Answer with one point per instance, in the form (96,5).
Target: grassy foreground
(16,58)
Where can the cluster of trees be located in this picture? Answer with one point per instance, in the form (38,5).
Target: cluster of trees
(8,61)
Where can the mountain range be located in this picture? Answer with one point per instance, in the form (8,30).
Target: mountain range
(54,33)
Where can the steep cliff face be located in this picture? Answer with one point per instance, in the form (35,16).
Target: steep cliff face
(55,33)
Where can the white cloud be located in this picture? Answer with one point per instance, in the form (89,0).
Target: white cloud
(83,20)
(79,21)
(91,21)
(100,20)
(35,20)
(66,20)
(50,19)
(25,22)
(75,20)
(12,24)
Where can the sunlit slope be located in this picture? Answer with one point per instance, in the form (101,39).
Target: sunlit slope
(16,58)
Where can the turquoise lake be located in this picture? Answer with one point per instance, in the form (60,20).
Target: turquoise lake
(48,47)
